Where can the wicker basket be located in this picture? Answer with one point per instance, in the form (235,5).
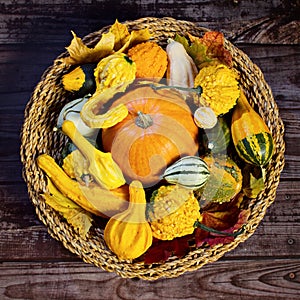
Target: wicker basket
(38,137)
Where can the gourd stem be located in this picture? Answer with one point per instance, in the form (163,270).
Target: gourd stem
(243,104)
(143,120)
(197,224)
(198,90)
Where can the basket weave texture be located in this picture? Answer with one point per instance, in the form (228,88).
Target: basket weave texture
(38,137)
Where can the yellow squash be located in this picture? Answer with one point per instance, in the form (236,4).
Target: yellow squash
(128,234)
(94,199)
(101,165)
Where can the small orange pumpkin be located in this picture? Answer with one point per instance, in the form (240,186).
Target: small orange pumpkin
(150,59)
(158,130)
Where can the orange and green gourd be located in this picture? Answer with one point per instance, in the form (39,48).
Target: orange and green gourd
(251,136)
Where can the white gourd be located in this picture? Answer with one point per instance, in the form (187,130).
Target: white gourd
(71,111)
(181,68)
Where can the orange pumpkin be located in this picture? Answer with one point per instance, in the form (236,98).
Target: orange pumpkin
(158,130)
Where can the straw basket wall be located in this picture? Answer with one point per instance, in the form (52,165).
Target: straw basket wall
(38,137)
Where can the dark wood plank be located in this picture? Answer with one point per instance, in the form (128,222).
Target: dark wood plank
(263,279)
(251,21)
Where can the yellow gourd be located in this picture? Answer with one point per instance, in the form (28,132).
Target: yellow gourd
(172,212)
(94,199)
(101,165)
(128,234)
(76,167)
(220,88)
(114,70)
(90,110)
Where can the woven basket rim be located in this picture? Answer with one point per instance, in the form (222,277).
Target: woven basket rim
(93,250)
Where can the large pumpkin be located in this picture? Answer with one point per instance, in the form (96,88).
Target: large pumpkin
(158,130)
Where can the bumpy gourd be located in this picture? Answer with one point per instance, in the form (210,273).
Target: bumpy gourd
(190,172)
(251,136)
(114,70)
(172,212)
(220,89)
(101,165)
(150,59)
(181,69)
(94,199)
(128,234)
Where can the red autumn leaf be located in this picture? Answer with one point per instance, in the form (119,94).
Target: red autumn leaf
(227,220)
(209,47)
(231,225)
(161,251)
(215,239)
(215,47)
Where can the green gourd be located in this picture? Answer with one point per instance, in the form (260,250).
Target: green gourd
(217,139)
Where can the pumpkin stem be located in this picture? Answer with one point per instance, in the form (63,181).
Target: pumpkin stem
(198,90)
(197,224)
(143,120)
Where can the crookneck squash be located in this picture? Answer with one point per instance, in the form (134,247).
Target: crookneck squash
(100,165)
(158,130)
(94,199)
(251,136)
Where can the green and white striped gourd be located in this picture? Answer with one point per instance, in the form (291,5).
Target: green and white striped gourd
(190,172)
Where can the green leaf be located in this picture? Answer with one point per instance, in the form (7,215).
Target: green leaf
(253,180)
(196,49)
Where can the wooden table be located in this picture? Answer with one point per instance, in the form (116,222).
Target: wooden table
(35,266)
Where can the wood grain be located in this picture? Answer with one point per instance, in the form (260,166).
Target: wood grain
(251,21)
(266,279)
